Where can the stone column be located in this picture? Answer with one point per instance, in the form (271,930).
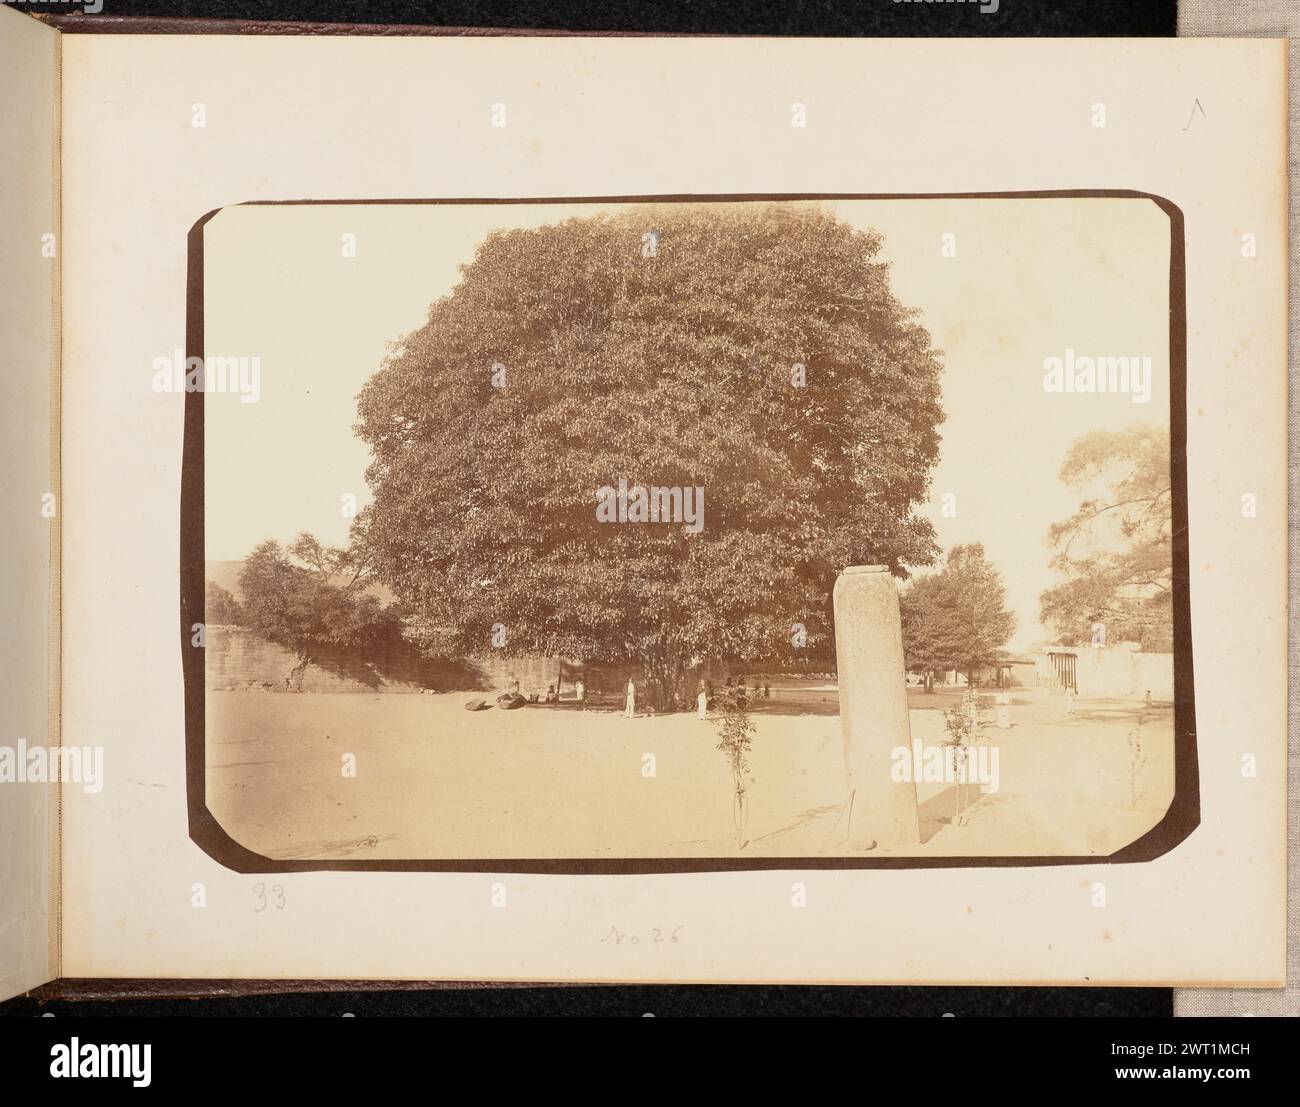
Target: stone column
(873,709)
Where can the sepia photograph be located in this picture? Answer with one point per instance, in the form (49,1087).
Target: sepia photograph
(643,518)
(735,530)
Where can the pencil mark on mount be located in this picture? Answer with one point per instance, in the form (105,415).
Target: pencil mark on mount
(338,848)
(1195,108)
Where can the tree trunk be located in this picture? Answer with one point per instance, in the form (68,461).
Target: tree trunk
(959,761)
(739,814)
(294,680)
(664,676)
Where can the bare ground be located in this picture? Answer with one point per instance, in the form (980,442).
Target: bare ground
(434,781)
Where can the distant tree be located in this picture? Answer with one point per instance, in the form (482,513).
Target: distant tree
(1116,550)
(756,351)
(311,599)
(220,608)
(956,618)
(982,622)
(928,639)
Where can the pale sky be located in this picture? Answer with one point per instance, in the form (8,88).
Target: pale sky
(1031,278)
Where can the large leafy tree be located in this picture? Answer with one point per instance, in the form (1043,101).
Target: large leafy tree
(220,608)
(754,350)
(1116,551)
(312,599)
(956,618)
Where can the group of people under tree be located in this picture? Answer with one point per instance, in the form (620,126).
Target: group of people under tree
(736,691)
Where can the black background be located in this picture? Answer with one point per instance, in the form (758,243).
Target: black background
(828,18)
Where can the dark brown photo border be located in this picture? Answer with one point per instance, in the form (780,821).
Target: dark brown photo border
(1181,819)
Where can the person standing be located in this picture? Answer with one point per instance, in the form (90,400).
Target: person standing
(702,701)
(581,690)
(630,711)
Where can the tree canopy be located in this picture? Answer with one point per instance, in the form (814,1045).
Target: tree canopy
(1116,550)
(956,618)
(310,599)
(220,608)
(753,350)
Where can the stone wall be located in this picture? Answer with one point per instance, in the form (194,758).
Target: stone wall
(1117,672)
(239,659)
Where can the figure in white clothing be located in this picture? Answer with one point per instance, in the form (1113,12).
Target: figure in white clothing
(702,701)
(630,711)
